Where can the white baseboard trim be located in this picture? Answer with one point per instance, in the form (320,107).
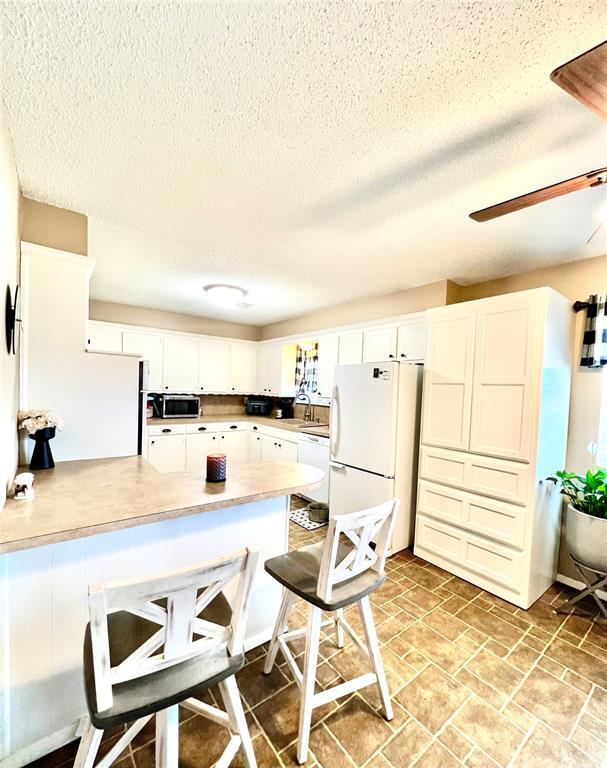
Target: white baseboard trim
(42,747)
(577,584)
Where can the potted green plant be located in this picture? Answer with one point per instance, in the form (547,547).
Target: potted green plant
(586,518)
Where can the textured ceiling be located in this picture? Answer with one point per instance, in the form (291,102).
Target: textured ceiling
(309,152)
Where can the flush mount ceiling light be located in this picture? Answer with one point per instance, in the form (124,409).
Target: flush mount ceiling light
(226,295)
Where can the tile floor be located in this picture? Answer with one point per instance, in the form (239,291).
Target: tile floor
(475,681)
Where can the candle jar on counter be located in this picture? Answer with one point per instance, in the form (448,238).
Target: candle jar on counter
(216,467)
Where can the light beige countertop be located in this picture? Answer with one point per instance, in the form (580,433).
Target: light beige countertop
(84,498)
(266,421)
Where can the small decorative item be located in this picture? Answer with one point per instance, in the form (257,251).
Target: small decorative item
(24,486)
(216,467)
(41,426)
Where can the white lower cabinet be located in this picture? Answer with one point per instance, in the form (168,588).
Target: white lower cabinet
(254,446)
(234,444)
(278,449)
(198,446)
(167,452)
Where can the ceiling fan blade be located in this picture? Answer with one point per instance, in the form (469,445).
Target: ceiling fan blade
(585,78)
(590,179)
(596,231)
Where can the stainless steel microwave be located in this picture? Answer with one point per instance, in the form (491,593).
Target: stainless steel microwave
(180,406)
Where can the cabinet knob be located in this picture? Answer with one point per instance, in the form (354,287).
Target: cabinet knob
(402,354)
(390,356)
(214,437)
(234,426)
(233,388)
(201,429)
(254,429)
(166,430)
(153,442)
(201,387)
(223,437)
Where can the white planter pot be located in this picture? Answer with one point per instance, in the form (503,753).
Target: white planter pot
(587,539)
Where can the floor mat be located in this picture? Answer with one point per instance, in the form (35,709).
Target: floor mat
(300,516)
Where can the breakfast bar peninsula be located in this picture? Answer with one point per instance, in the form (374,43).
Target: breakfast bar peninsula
(107,519)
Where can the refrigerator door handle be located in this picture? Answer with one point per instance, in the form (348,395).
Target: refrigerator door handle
(334,428)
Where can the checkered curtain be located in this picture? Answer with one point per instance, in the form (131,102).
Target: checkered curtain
(594,349)
(306,370)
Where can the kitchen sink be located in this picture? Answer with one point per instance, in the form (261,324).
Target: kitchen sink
(301,423)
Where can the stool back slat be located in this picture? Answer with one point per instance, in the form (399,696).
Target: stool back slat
(179,624)
(362,527)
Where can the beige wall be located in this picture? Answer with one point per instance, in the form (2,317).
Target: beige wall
(363,310)
(576,280)
(54,227)
(170,321)
(9,275)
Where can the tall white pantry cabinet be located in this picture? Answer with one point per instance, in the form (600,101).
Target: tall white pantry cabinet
(494,427)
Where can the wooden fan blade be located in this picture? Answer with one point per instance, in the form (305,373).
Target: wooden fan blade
(590,179)
(585,78)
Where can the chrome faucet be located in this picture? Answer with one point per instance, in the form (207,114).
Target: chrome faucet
(308,411)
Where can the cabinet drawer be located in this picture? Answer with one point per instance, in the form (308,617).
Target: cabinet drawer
(172,429)
(472,553)
(498,520)
(500,478)
(195,429)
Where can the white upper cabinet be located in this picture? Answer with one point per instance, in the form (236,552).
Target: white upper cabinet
(328,347)
(505,381)
(447,394)
(411,343)
(379,345)
(104,338)
(149,346)
(213,366)
(180,364)
(350,348)
(276,369)
(243,369)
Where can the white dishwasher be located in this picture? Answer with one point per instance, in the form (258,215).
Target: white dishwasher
(315,451)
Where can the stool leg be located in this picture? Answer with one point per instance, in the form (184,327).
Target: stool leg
(339,630)
(167,737)
(238,721)
(87,749)
(309,679)
(279,628)
(366,615)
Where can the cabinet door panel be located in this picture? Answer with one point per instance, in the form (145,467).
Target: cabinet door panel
(379,345)
(504,384)
(351,348)
(243,369)
(149,346)
(103,338)
(198,447)
(269,449)
(288,451)
(214,366)
(180,364)
(234,445)
(254,447)
(167,453)
(412,340)
(447,395)
(328,347)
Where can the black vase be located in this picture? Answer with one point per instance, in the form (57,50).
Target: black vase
(42,458)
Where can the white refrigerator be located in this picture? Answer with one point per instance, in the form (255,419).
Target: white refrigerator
(375,416)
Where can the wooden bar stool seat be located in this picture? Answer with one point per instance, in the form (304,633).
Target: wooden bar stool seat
(341,571)
(154,644)
(299,570)
(147,695)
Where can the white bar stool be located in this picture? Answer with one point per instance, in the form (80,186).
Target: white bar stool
(330,576)
(153,644)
